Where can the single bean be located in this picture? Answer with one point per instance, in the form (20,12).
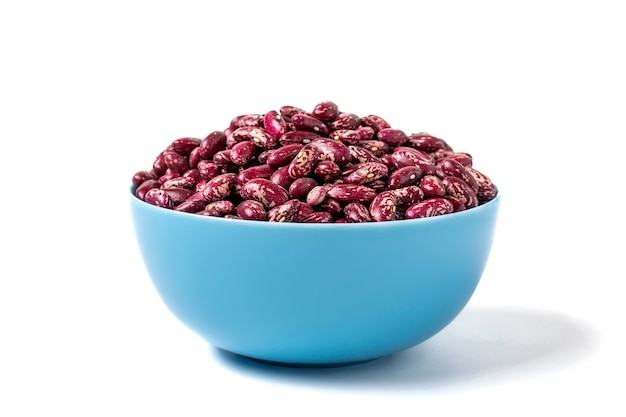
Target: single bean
(220,187)
(184,146)
(256,135)
(486,189)
(222,160)
(303,121)
(392,137)
(274,124)
(375,122)
(366,132)
(159,198)
(459,189)
(288,112)
(251,210)
(404,177)
(367,172)
(409,195)
(351,193)
(257,171)
(286,212)
(325,111)
(146,186)
(243,152)
(425,142)
(210,145)
(194,157)
(326,171)
(463,158)
(297,136)
(304,210)
(265,192)
(180,182)
(208,169)
(383,207)
(330,150)
(281,177)
(331,206)
(304,161)
(428,208)
(456,203)
(301,187)
(178,195)
(284,155)
(318,217)
(356,213)
(377,147)
(456,169)
(175,161)
(432,186)
(158,166)
(142,176)
(192,205)
(346,136)
(246,120)
(360,155)
(264,155)
(316,196)
(220,208)
(346,121)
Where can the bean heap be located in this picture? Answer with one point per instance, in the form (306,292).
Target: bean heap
(323,166)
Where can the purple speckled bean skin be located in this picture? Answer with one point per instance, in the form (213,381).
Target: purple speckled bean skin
(316,196)
(220,187)
(383,207)
(460,190)
(330,150)
(192,205)
(251,210)
(425,142)
(428,208)
(377,147)
(359,155)
(351,193)
(159,198)
(375,122)
(281,177)
(257,171)
(486,189)
(184,146)
(286,212)
(147,185)
(347,136)
(432,186)
(303,121)
(176,162)
(178,195)
(318,217)
(326,171)
(303,162)
(456,169)
(404,177)
(325,111)
(392,137)
(142,176)
(208,169)
(246,120)
(365,132)
(356,213)
(346,121)
(367,172)
(301,187)
(265,192)
(275,125)
(212,143)
(243,152)
(284,155)
(220,208)
(409,195)
(297,136)
(332,206)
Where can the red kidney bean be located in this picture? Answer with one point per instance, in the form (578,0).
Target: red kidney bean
(327,171)
(404,176)
(264,155)
(367,172)
(331,206)
(246,120)
(146,186)
(425,142)
(365,132)
(409,195)
(347,136)
(142,176)
(318,217)
(175,162)
(220,187)
(297,136)
(184,146)
(432,186)
(375,122)
(377,147)
(180,182)
(428,208)
(274,124)
(208,169)
(330,150)
(159,198)
(256,135)
(304,161)
(169,175)
(219,208)
(304,210)
(193,174)
(194,157)
(281,177)
(378,185)
(455,169)
(303,121)
(222,159)
(403,156)
(360,155)
(210,145)
(284,155)
(158,166)
(325,111)
(251,210)
(192,205)
(351,193)
(486,189)
(383,207)
(288,112)
(286,212)
(243,152)
(301,187)
(463,158)
(257,171)
(346,121)
(178,195)
(200,185)
(392,137)
(265,192)
(460,190)
(456,203)
(356,213)
(316,196)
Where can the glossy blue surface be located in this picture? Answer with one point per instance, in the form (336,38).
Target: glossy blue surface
(314,294)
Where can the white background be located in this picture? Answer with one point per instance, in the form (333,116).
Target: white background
(90,92)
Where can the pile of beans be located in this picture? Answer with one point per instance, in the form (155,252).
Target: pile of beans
(323,166)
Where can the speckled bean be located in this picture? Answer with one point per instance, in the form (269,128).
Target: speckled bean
(184,146)
(220,187)
(375,122)
(284,155)
(486,189)
(316,196)
(246,120)
(408,195)
(325,111)
(428,208)
(220,208)
(346,121)
(210,145)
(286,212)
(456,169)
(432,186)
(251,210)
(365,132)
(208,169)
(392,137)
(175,161)
(304,161)
(318,217)
(377,147)
(159,198)
(330,150)
(274,124)
(178,195)
(257,171)
(367,172)
(332,206)
(147,185)
(383,207)
(303,121)
(301,187)
(425,142)
(360,155)
(459,189)
(265,192)
(356,213)
(142,176)
(326,171)
(297,136)
(281,177)
(243,152)
(347,136)
(351,193)
(404,177)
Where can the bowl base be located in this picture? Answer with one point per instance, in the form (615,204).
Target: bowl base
(306,365)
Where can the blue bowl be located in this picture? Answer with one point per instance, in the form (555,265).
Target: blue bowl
(314,294)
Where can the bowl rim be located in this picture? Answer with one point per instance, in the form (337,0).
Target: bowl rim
(434,219)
